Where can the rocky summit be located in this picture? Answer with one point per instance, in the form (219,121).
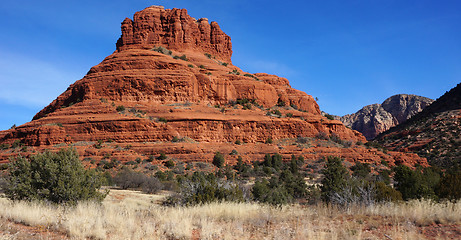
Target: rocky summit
(170,87)
(434,133)
(374,119)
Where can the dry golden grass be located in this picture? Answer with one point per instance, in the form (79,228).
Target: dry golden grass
(132,215)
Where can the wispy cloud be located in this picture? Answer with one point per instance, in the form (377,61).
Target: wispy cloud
(270,67)
(30,82)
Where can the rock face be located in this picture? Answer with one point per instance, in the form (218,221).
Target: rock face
(170,87)
(374,119)
(175,30)
(434,133)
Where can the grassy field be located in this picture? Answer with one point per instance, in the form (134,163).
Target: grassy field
(133,215)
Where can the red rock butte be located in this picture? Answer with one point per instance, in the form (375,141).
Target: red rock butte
(176,30)
(171,78)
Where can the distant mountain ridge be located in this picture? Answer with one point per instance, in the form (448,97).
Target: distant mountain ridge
(374,119)
(434,133)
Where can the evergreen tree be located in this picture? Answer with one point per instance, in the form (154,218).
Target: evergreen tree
(218,160)
(56,177)
(334,177)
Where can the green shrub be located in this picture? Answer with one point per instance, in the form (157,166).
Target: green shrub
(449,186)
(274,161)
(313,195)
(293,165)
(322,136)
(3,166)
(98,145)
(162,156)
(224,64)
(107,179)
(354,192)
(120,108)
(264,192)
(384,176)
(190,65)
(151,167)
(280,103)
(109,164)
(55,177)
(203,188)
(238,142)
(302,140)
(361,170)
(189,166)
(201,66)
(169,164)
(330,117)
(218,160)
(269,141)
(386,193)
(335,138)
(334,177)
(294,106)
(235,71)
(240,165)
(383,162)
(414,184)
(280,190)
(293,183)
(16,144)
(277,112)
(247,106)
(4,146)
(242,101)
(161,175)
(163,120)
(208,55)
(260,189)
(162,50)
(150,159)
(182,57)
(3,184)
(234,152)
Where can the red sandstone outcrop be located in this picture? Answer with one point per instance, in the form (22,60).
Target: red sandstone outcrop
(143,96)
(175,30)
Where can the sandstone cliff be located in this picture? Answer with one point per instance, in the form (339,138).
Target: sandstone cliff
(170,87)
(374,119)
(175,30)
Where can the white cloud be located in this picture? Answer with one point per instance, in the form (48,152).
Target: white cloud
(270,67)
(30,82)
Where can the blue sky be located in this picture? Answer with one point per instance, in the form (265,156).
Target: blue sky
(348,54)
